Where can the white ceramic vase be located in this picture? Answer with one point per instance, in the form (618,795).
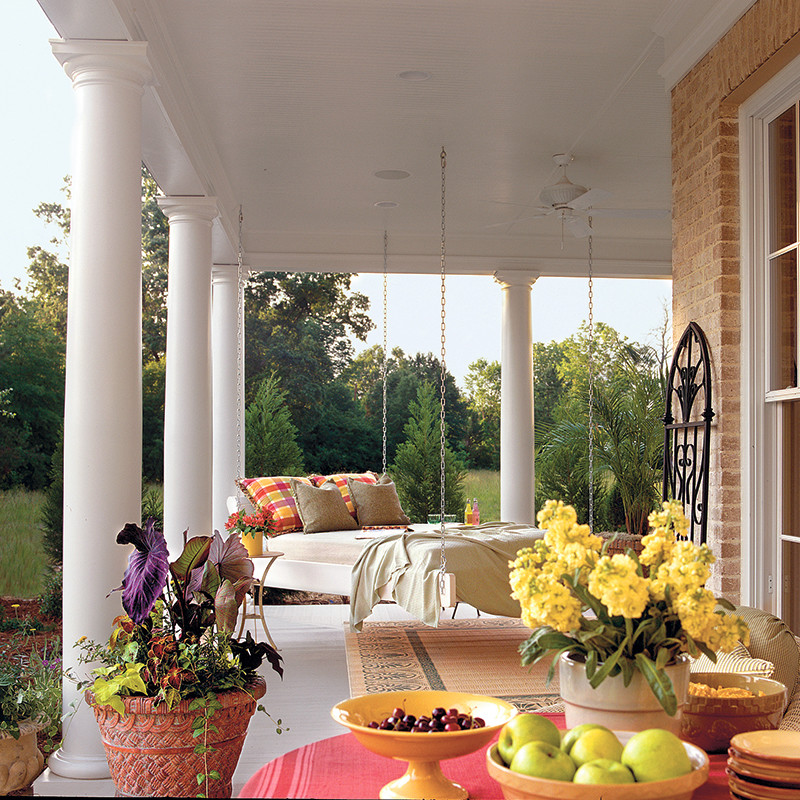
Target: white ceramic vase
(616,706)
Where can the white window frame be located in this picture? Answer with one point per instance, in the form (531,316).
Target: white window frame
(760,418)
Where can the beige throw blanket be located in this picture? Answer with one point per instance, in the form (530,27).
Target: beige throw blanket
(409,563)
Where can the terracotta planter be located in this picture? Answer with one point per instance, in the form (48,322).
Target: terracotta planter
(619,707)
(150,750)
(20,759)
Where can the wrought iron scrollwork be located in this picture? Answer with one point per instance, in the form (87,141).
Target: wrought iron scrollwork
(687,429)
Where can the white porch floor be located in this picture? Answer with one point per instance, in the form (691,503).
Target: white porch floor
(311,641)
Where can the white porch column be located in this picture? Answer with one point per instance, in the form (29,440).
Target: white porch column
(187,401)
(103,406)
(517,502)
(227,349)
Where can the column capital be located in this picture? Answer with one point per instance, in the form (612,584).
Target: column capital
(522,279)
(189,209)
(227,273)
(89,61)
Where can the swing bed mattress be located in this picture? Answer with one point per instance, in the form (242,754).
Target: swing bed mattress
(403,566)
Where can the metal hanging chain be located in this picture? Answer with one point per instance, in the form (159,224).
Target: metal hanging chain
(239,338)
(443,555)
(591,385)
(385,342)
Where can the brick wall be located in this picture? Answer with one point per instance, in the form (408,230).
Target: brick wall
(705,250)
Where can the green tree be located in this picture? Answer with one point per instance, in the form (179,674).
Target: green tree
(47,270)
(628,437)
(341,439)
(298,326)
(153,390)
(271,446)
(155,263)
(483,390)
(549,388)
(417,466)
(32,365)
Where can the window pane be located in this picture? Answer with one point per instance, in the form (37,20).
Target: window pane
(790,521)
(782,181)
(783,321)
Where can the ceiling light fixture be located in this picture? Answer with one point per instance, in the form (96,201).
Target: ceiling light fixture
(392,174)
(414,75)
(386,204)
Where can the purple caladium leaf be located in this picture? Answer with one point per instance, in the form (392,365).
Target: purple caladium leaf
(231,558)
(148,565)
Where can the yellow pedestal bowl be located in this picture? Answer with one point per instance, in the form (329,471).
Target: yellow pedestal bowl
(422,751)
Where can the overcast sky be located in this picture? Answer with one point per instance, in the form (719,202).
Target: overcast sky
(35,139)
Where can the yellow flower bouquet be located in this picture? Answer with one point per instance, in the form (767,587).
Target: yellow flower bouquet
(608,611)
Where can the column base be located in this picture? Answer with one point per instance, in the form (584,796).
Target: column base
(80,767)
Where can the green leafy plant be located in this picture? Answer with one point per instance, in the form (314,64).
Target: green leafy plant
(255,524)
(636,621)
(30,689)
(174,642)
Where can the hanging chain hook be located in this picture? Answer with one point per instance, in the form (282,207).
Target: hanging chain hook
(385,341)
(443,372)
(591,383)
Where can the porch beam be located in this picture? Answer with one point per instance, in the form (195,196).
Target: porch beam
(103,393)
(187,401)
(517,501)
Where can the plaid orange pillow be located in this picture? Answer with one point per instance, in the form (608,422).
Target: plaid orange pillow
(274,494)
(340,479)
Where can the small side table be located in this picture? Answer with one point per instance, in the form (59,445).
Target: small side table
(258,597)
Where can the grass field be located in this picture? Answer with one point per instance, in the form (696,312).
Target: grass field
(485,485)
(22,557)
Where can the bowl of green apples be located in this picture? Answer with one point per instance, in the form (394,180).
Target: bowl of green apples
(533,760)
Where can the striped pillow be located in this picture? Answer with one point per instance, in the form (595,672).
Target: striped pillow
(738,660)
(275,495)
(340,479)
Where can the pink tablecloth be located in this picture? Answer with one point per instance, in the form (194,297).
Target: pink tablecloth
(340,767)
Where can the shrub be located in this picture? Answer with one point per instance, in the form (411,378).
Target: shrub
(50,598)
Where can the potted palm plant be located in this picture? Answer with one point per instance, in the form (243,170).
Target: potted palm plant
(174,692)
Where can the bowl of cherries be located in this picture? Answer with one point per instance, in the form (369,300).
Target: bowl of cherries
(423,728)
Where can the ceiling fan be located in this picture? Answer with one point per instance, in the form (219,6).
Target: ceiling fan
(572,203)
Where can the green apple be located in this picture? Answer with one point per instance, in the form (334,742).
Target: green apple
(596,743)
(603,770)
(573,734)
(543,760)
(655,755)
(526,728)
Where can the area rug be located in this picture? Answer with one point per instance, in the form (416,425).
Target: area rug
(464,655)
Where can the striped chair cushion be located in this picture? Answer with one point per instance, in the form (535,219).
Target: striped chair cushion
(738,660)
(274,494)
(340,479)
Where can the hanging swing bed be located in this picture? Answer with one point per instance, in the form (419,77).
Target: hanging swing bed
(421,568)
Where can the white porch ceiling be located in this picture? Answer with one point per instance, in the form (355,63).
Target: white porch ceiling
(289,107)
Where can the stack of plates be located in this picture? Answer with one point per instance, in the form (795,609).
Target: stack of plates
(765,765)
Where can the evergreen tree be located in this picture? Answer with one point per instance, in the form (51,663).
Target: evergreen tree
(271,438)
(52,513)
(417,466)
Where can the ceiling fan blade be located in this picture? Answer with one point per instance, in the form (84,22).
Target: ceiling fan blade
(638,213)
(577,226)
(589,198)
(543,212)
